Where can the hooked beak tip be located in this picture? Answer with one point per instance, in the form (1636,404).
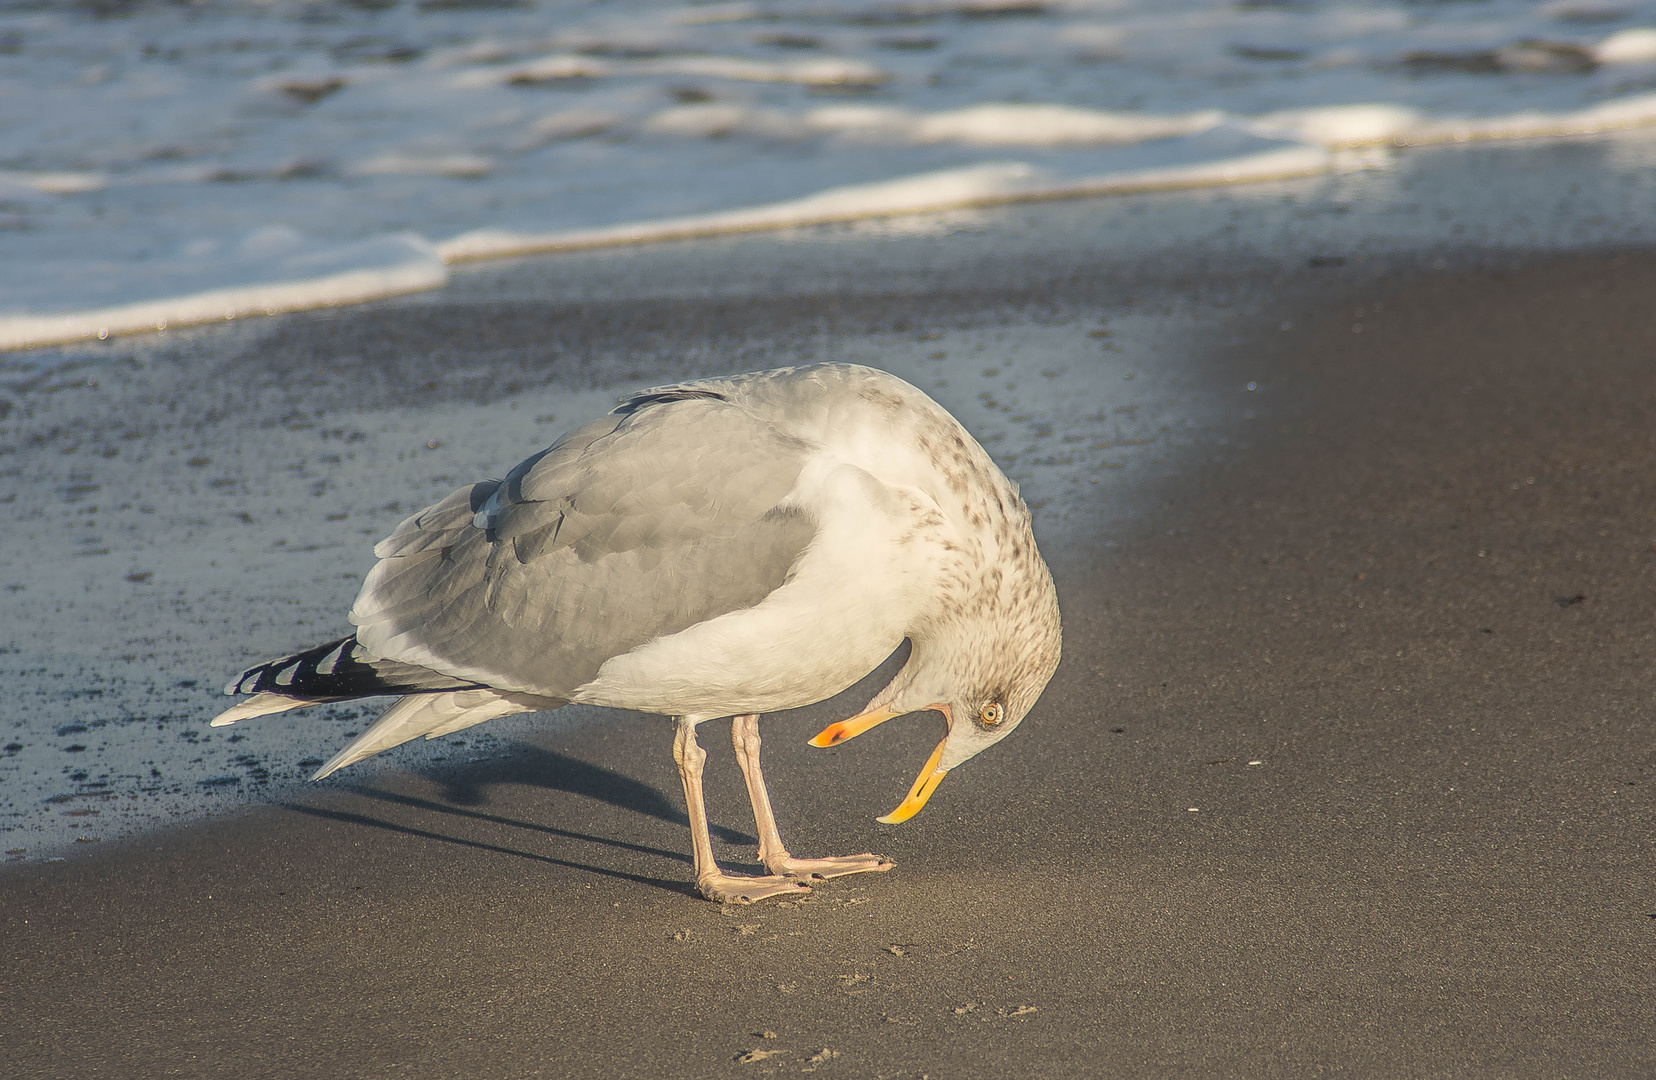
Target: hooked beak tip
(924,784)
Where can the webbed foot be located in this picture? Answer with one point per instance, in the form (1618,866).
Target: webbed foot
(837,866)
(734,889)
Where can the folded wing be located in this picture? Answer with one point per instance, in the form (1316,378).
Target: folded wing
(664,514)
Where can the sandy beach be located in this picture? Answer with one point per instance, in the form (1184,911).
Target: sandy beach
(1347,770)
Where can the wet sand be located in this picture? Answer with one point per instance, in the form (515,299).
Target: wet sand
(1347,770)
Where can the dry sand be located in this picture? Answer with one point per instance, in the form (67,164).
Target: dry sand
(1347,770)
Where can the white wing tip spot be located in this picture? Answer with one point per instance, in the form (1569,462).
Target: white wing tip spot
(326,667)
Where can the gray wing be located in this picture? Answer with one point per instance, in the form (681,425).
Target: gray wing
(660,516)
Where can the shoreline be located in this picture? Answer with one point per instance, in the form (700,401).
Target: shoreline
(396,265)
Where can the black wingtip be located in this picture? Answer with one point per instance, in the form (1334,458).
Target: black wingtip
(314,673)
(340,670)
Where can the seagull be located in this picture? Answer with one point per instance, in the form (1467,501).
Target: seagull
(719,548)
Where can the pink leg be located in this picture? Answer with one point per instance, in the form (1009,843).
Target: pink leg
(744,733)
(714,883)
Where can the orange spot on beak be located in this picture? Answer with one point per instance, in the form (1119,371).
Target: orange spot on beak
(836,733)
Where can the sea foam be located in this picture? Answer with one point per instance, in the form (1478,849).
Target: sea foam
(977,185)
(145,155)
(295,276)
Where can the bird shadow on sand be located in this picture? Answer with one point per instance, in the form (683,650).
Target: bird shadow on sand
(466,794)
(533,766)
(417,803)
(682,888)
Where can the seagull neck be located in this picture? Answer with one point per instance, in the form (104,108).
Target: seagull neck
(930,678)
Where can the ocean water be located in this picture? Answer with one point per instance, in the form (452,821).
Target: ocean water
(169,163)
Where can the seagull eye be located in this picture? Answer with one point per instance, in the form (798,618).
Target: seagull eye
(992,714)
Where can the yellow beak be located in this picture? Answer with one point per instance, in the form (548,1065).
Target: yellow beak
(834,734)
(924,785)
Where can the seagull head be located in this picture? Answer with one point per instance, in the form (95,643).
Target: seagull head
(983,669)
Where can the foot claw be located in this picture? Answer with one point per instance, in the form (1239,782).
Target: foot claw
(838,866)
(733,889)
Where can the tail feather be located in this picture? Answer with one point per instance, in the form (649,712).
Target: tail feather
(259,705)
(432,715)
(433,704)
